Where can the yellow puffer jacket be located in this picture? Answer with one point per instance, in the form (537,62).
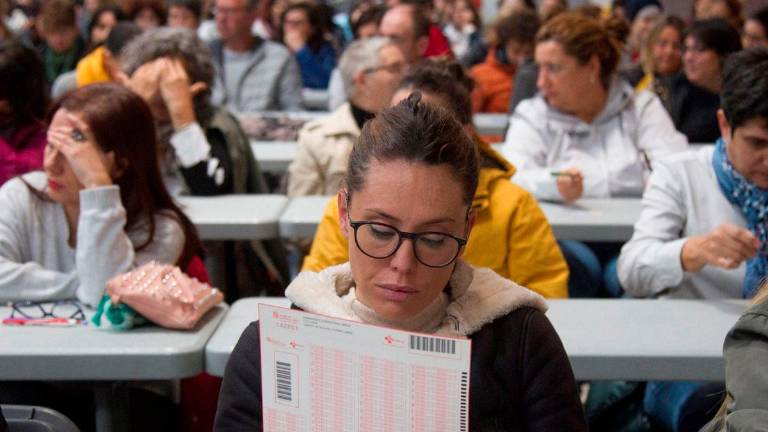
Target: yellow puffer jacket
(511,235)
(90,69)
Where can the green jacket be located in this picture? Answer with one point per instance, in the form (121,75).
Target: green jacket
(746,374)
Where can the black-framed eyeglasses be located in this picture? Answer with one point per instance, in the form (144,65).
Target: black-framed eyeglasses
(395,68)
(69,309)
(433,249)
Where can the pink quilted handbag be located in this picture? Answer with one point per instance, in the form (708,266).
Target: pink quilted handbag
(164,295)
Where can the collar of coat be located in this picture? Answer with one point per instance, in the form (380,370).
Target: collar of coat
(339,122)
(493,168)
(477,296)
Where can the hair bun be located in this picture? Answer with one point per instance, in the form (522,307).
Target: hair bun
(412,102)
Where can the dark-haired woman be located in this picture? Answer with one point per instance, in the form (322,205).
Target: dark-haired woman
(149,14)
(511,236)
(104,18)
(694,97)
(414,172)
(755,32)
(92,68)
(23,102)
(98,208)
(302,31)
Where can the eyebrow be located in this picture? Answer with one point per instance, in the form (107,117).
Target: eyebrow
(391,218)
(754,139)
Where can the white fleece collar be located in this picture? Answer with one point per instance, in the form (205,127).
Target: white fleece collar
(478,296)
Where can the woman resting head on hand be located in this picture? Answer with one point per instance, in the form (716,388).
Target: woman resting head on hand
(407,212)
(98,208)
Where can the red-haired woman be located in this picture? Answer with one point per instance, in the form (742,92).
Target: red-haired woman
(98,208)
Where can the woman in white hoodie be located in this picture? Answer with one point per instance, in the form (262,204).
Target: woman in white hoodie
(586,134)
(407,213)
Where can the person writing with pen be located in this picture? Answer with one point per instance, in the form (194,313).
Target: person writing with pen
(586,134)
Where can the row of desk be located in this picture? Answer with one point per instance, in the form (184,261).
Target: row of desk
(276,156)
(604,339)
(254,217)
(485,123)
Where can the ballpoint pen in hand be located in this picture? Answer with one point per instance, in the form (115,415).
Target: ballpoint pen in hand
(563,173)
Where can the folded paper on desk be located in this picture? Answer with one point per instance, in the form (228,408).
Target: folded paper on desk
(321,373)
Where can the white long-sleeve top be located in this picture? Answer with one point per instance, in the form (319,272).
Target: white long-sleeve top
(36,261)
(610,152)
(683,199)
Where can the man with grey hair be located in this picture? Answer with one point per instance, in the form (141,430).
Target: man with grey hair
(172,70)
(203,148)
(370,71)
(252,74)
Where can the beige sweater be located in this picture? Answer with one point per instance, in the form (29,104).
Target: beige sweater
(476,297)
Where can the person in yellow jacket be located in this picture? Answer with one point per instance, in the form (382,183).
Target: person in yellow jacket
(511,235)
(102,64)
(91,69)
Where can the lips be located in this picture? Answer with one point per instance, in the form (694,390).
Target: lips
(54,186)
(396,292)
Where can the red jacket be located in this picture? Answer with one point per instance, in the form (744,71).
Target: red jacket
(438,44)
(22,152)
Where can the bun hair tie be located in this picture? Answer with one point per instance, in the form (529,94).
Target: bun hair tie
(412,102)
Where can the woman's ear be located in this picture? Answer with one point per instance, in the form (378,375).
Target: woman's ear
(594,66)
(725,127)
(470,224)
(117,167)
(341,203)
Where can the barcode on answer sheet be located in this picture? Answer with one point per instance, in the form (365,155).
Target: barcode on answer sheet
(433,345)
(284,381)
(464,403)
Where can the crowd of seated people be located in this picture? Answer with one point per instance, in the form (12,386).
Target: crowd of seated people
(110,110)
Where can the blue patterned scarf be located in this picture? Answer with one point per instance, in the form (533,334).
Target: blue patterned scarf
(753,203)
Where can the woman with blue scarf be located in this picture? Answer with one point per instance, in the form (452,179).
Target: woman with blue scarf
(702,232)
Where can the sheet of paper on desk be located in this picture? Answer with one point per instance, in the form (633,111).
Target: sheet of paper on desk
(326,374)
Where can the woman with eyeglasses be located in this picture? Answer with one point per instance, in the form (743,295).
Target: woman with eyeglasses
(511,237)
(406,210)
(693,97)
(98,207)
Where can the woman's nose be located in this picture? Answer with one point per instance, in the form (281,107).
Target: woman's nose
(52,160)
(541,79)
(404,258)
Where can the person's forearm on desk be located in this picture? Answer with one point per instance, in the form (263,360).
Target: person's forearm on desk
(650,262)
